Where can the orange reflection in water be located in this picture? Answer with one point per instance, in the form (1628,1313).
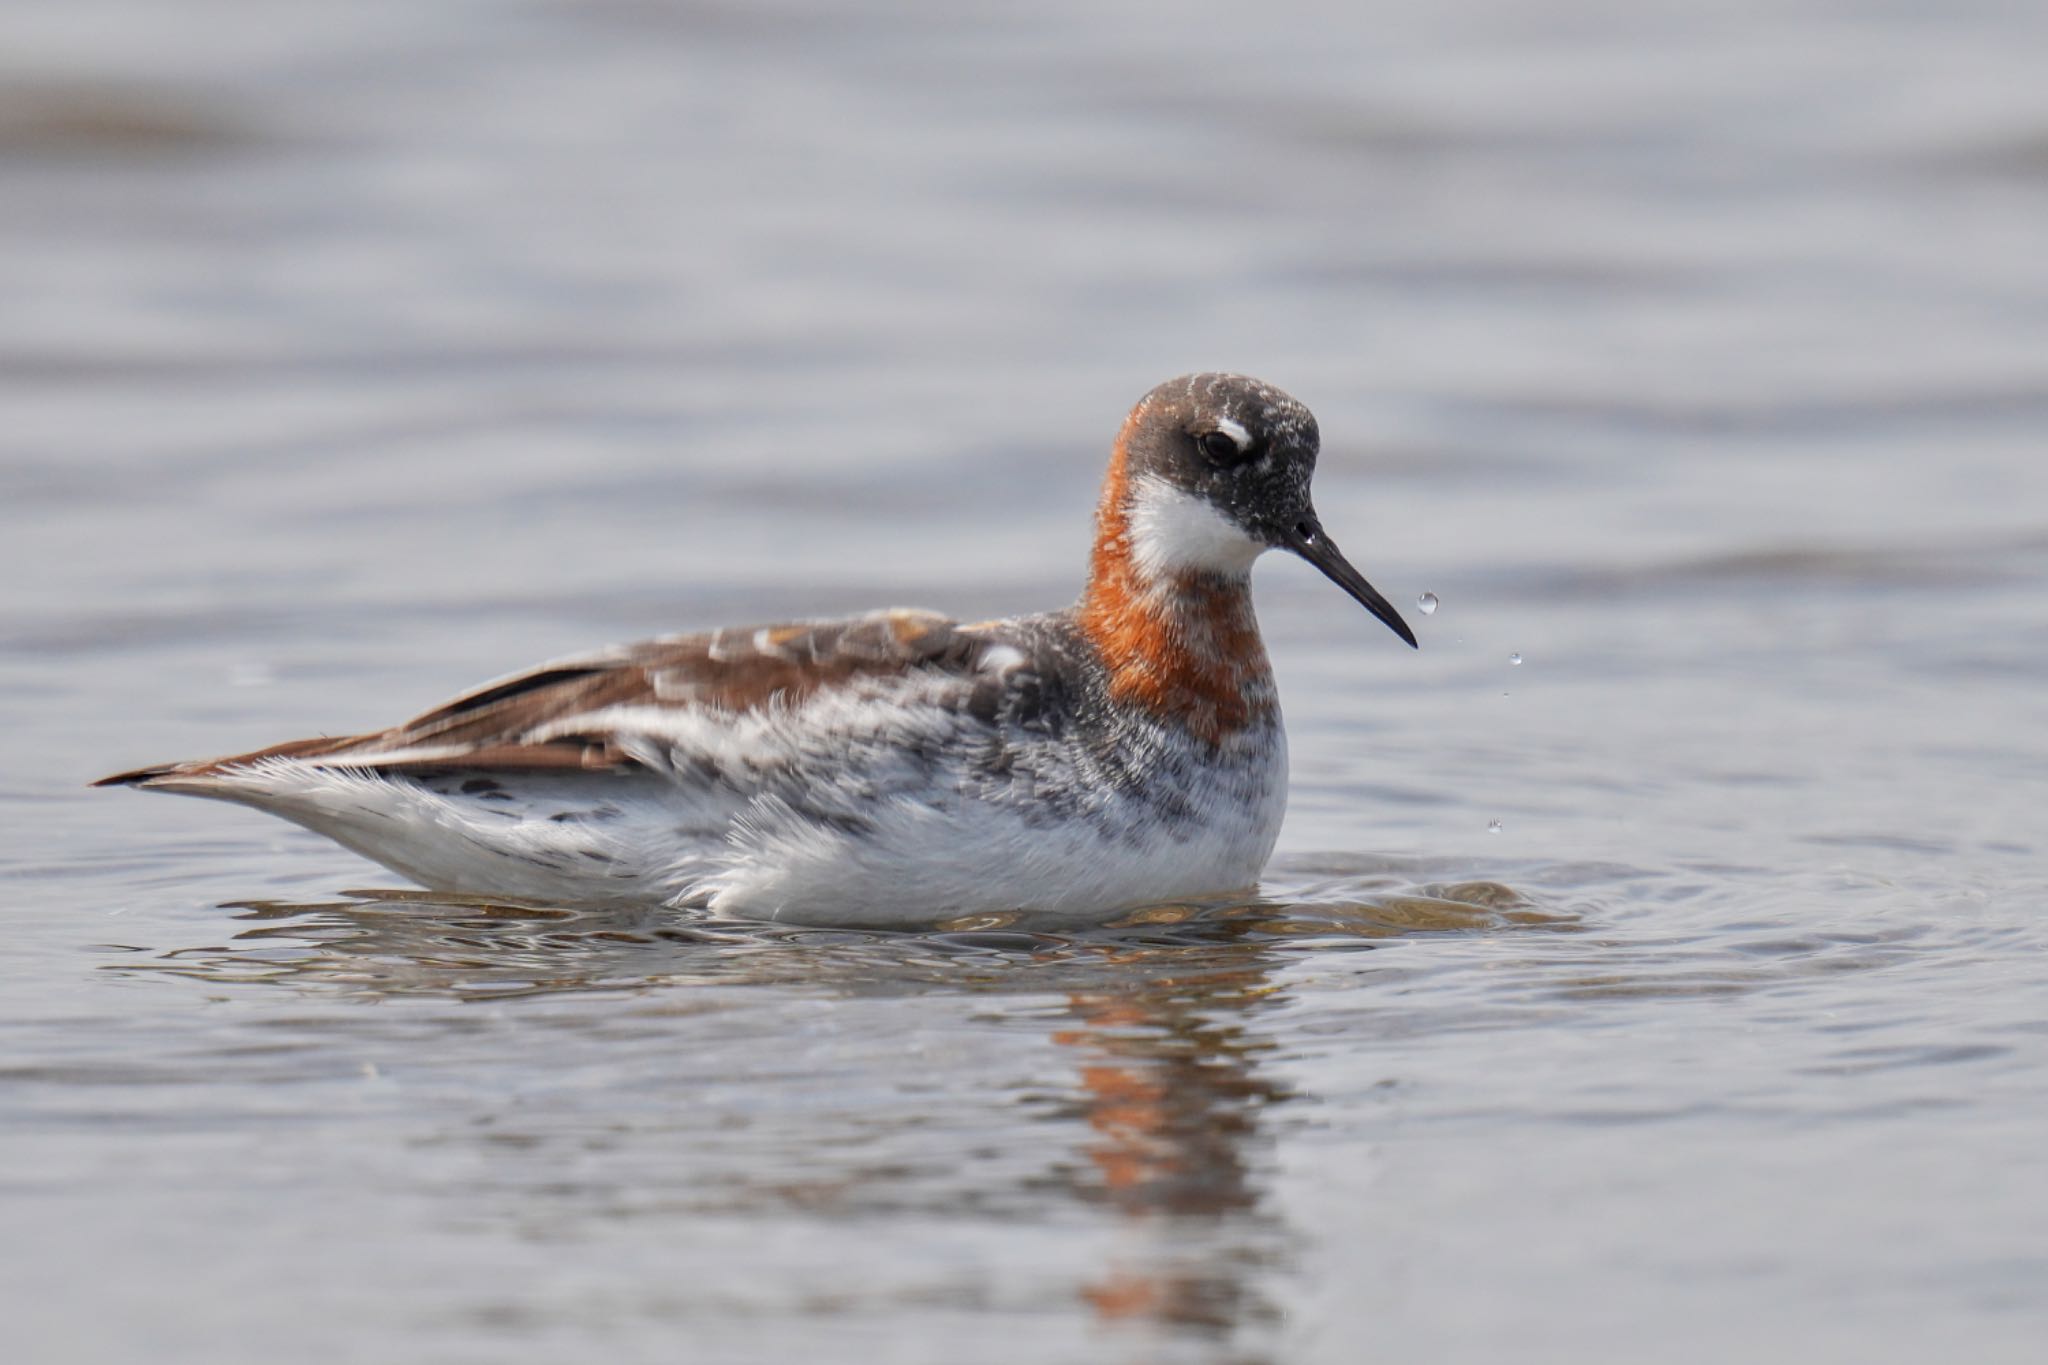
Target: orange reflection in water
(1170,1089)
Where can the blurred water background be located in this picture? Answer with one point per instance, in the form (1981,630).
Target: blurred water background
(1675,993)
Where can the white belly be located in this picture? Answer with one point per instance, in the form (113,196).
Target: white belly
(923,865)
(906,856)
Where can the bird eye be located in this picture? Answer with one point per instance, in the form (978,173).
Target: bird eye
(1219,446)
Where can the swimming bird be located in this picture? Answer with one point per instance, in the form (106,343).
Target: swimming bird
(897,768)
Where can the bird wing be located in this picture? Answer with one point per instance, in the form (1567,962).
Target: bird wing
(531,722)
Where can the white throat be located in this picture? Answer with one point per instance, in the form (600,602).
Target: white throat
(1173,531)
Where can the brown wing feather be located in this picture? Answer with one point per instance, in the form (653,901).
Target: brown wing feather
(734,670)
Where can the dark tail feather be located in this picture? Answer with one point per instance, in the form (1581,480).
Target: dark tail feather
(139,777)
(297,748)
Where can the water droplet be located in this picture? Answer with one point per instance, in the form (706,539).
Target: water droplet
(1493,826)
(1426,604)
(1514,658)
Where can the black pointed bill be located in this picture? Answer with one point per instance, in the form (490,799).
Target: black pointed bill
(1307,539)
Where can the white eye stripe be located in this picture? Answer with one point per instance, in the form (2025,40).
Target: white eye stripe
(1239,437)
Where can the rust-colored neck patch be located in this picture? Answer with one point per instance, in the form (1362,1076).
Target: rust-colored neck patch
(1184,646)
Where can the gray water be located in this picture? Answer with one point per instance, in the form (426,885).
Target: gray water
(353,353)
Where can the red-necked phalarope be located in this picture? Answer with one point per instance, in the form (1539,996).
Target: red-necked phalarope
(892,768)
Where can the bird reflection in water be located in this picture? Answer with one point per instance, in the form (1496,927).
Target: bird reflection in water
(1162,1035)
(1171,1091)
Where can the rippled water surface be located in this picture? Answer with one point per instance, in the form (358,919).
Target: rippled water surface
(1675,993)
